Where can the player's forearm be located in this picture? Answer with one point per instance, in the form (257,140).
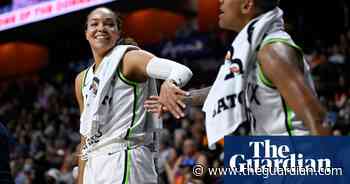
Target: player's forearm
(314,117)
(165,69)
(81,171)
(308,109)
(81,163)
(197,97)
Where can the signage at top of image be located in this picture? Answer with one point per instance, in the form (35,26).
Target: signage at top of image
(43,11)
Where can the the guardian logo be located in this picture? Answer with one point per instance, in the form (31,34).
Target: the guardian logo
(276,159)
(267,155)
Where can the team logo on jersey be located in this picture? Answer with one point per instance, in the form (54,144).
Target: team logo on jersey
(236,67)
(94,85)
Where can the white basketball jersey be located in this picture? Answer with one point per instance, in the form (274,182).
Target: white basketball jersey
(127,117)
(271,114)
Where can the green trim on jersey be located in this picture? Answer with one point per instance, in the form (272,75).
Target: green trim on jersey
(135,87)
(261,74)
(287,110)
(263,79)
(84,79)
(137,95)
(288,117)
(135,116)
(282,40)
(127,81)
(127,167)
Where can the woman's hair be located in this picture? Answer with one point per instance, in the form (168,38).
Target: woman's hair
(119,21)
(117,17)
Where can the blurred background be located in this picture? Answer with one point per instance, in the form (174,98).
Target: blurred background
(43,48)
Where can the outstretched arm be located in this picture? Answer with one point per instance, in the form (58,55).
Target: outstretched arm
(194,98)
(281,64)
(197,97)
(140,65)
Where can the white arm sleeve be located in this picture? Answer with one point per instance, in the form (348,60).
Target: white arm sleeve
(165,69)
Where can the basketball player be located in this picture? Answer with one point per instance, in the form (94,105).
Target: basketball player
(121,149)
(282,99)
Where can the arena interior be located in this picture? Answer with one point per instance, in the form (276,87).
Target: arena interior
(43,48)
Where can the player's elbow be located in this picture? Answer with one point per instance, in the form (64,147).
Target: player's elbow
(187,73)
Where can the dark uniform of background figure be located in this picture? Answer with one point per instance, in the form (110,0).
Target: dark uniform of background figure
(5,173)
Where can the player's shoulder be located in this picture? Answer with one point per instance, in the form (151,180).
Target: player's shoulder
(137,54)
(278,44)
(80,76)
(276,50)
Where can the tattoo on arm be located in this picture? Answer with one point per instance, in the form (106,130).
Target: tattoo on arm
(197,97)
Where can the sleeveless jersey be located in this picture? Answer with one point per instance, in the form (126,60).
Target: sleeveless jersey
(126,118)
(271,114)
